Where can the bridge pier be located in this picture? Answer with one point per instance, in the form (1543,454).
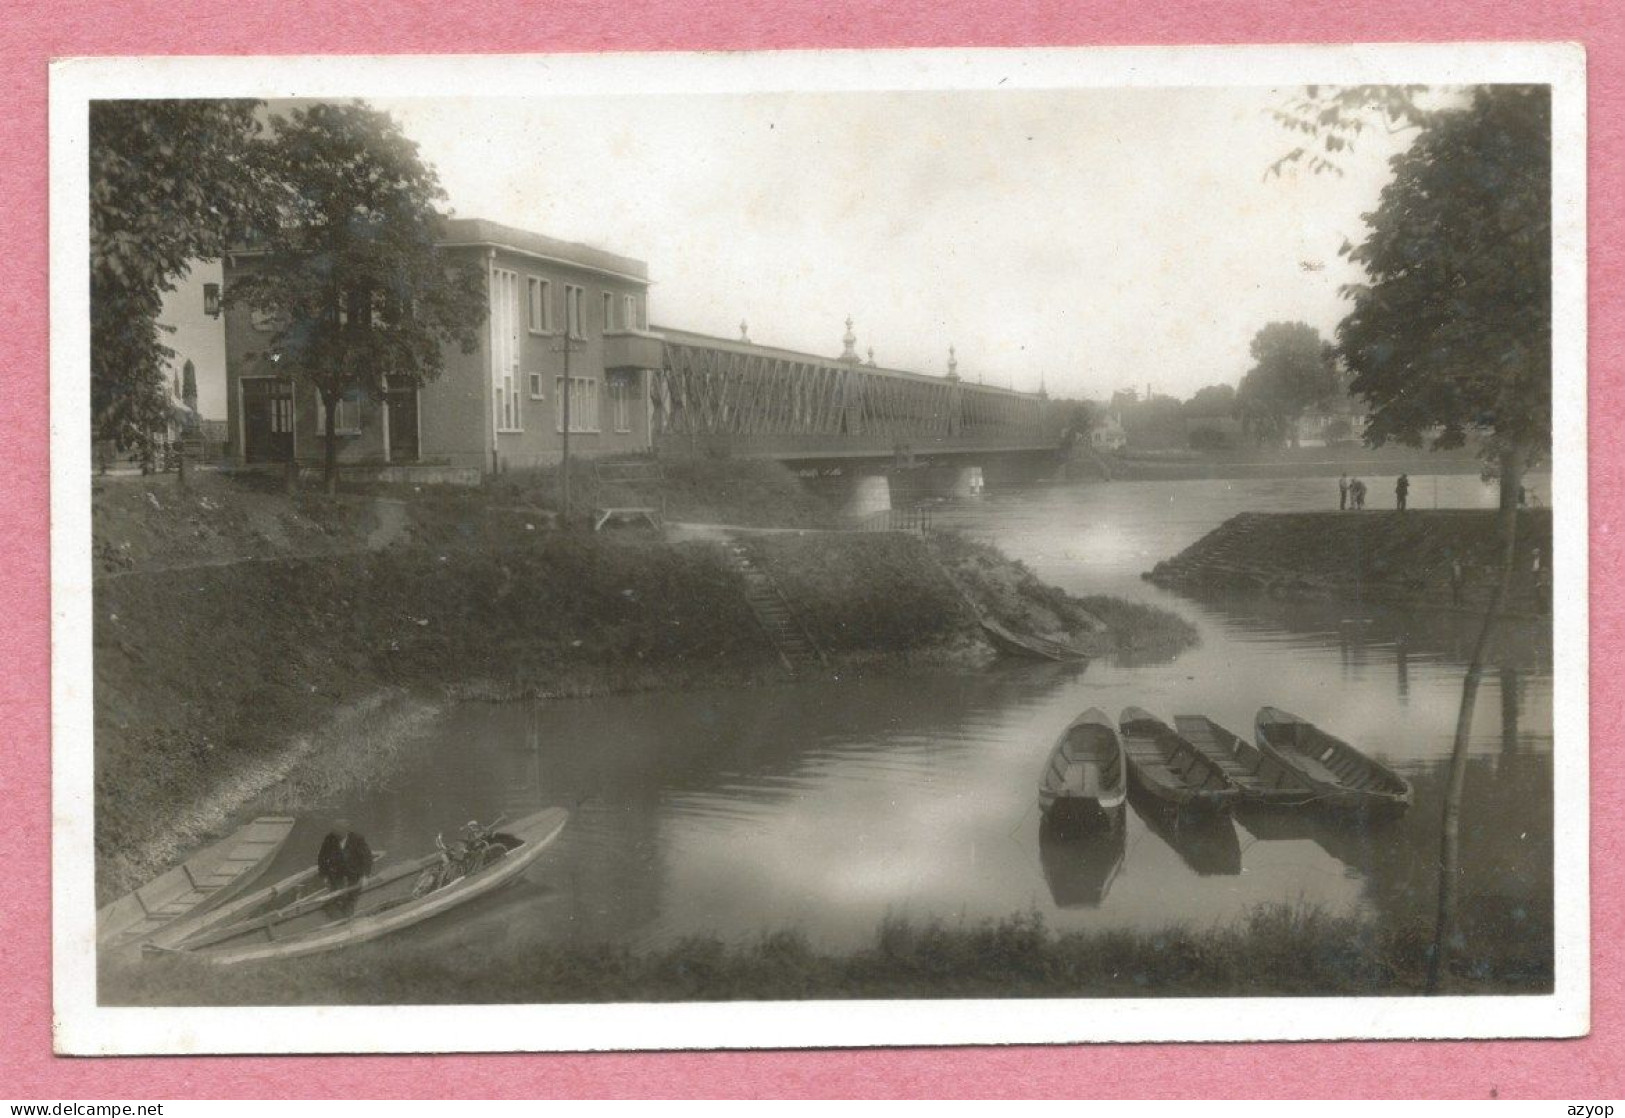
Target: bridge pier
(863,490)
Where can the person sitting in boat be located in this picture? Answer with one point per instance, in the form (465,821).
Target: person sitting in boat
(344,862)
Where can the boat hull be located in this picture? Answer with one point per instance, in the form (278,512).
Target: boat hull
(202,883)
(1260,780)
(1085,781)
(536,832)
(1074,814)
(1029,647)
(1345,781)
(1168,772)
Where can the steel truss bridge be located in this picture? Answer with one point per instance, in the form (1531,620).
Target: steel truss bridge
(713,395)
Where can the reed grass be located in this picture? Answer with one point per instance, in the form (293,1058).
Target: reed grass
(1272,950)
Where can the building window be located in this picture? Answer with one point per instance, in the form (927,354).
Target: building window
(540,295)
(536,386)
(510,405)
(574,313)
(583,404)
(505,319)
(621,401)
(630,318)
(346,417)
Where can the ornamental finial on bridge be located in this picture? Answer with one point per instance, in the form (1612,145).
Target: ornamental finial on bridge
(744,330)
(953,365)
(850,353)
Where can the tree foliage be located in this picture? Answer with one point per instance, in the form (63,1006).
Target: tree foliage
(170,182)
(1332,119)
(1081,417)
(1215,401)
(351,272)
(1452,332)
(1293,369)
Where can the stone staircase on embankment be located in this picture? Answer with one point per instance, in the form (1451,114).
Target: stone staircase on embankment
(1377,555)
(795,646)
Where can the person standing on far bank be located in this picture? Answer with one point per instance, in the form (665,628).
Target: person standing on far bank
(344,862)
(1402,488)
(1342,493)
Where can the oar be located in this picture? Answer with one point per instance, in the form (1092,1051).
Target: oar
(276,916)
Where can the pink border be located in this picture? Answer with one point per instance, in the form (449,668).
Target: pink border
(1586,1069)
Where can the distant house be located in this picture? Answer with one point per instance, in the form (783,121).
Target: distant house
(501,406)
(1324,426)
(1108,433)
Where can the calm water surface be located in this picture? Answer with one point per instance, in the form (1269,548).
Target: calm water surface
(827,806)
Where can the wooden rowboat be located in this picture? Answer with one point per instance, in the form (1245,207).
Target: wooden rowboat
(386,902)
(1261,778)
(1343,778)
(1170,771)
(1085,781)
(303,889)
(204,881)
(1025,644)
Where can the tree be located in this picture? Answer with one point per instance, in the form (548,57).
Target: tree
(1292,372)
(351,269)
(1213,402)
(1333,118)
(1452,333)
(170,182)
(1082,417)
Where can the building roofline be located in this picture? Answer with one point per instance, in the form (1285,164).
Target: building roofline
(471,232)
(474,232)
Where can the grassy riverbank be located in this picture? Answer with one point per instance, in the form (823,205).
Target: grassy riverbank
(1376,556)
(246,641)
(1274,950)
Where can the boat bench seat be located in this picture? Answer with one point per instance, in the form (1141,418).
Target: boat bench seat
(1317,770)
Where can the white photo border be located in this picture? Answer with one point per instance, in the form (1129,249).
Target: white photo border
(82,1027)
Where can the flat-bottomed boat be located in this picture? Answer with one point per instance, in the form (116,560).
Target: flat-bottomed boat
(1085,780)
(276,928)
(1343,778)
(204,881)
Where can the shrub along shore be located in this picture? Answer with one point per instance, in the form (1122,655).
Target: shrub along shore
(241,637)
(1273,950)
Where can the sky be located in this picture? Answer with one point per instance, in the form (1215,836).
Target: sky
(1088,240)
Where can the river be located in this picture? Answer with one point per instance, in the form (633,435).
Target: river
(829,806)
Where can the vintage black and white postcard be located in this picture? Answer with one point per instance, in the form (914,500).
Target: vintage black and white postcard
(819,549)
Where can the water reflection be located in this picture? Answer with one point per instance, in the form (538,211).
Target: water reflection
(1206,841)
(1079,868)
(828,806)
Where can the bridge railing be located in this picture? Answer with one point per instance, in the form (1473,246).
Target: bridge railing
(912,518)
(720,396)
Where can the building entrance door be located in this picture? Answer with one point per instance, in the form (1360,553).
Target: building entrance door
(403,423)
(267,419)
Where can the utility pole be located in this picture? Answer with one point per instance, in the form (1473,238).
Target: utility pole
(570,317)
